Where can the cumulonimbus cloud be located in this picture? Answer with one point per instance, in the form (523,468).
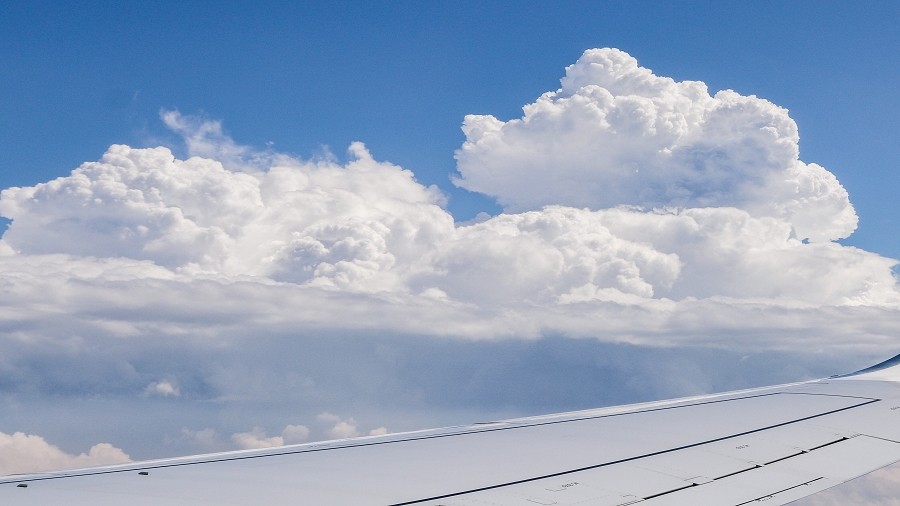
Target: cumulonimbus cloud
(370,227)
(616,134)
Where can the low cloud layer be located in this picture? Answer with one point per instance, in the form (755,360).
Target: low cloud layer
(24,453)
(237,291)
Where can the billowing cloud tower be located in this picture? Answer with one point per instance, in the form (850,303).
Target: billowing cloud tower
(615,134)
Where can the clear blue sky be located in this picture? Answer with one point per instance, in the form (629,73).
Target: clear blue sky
(400,76)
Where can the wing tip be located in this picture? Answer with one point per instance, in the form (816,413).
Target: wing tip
(887,370)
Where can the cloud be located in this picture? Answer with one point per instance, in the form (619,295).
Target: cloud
(293,434)
(207,439)
(340,428)
(143,246)
(242,288)
(562,255)
(164,388)
(26,453)
(616,134)
(206,138)
(721,206)
(369,227)
(358,226)
(257,438)
(344,429)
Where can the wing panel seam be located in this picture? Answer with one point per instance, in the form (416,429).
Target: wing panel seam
(630,459)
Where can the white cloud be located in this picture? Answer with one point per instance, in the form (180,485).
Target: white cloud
(340,428)
(358,226)
(206,138)
(616,134)
(255,438)
(142,243)
(5,249)
(163,388)
(220,285)
(561,255)
(293,434)
(26,453)
(733,205)
(368,227)
(344,429)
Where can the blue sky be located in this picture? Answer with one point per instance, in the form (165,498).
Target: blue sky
(239,271)
(400,76)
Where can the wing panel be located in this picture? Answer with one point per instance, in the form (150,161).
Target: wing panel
(695,465)
(792,478)
(877,420)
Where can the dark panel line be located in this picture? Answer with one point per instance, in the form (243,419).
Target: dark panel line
(679,489)
(785,458)
(773,494)
(841,440)
(629,459)
(757,466)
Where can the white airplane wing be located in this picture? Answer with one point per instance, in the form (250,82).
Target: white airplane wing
(774,444)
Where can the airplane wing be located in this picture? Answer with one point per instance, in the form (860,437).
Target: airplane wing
(774,444)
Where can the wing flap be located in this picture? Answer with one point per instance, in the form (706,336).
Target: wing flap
(793,478)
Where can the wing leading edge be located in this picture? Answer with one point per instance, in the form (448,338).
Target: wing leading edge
(774,444)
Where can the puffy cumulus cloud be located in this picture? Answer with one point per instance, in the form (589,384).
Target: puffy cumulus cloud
(344,429)
(140,204)
(26,453)
(616,134)
(141,241)
(561,255)
(340,428)
(163,388)
(257,438)
(358,226)
(293,434)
